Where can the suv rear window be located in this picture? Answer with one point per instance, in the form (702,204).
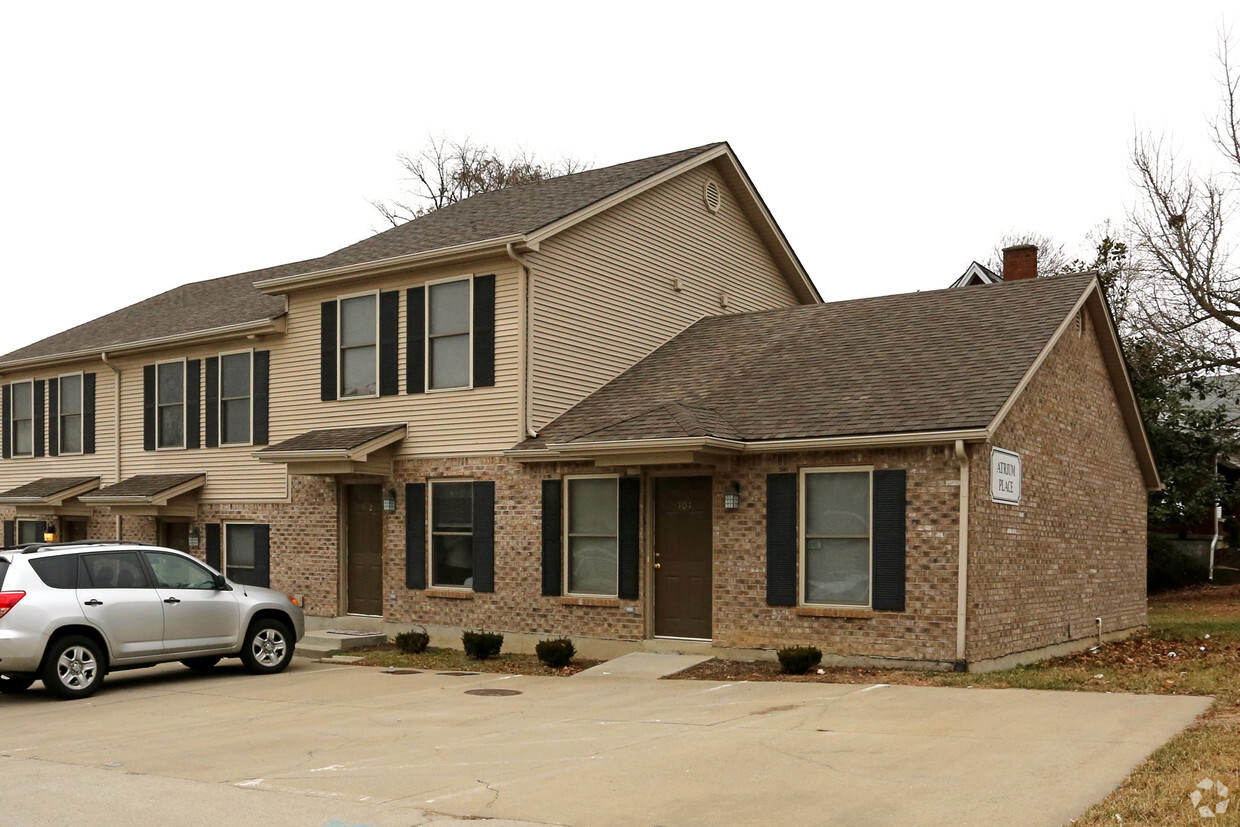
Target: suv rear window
(4,569)
(58,572)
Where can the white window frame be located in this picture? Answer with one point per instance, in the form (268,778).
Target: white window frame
(430,532)
(224,545)
(184,407)
(426,335)
(802,539)
(13,420)
(340,300)
(219,397)
(566,558)
(60,420)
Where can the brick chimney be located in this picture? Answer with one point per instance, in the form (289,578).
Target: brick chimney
(1020,262)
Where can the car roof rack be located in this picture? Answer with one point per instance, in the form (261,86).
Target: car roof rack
(32,548)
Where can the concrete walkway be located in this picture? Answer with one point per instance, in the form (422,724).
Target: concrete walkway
(642,666)
(343,745)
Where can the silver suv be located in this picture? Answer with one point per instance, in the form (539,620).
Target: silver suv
(71,612)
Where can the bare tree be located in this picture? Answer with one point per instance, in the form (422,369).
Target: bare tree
(446,171)
(1051,255)
(1188,292)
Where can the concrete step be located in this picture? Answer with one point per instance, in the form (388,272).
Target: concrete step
(332,641)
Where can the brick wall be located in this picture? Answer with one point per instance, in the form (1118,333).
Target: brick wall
(1074,549)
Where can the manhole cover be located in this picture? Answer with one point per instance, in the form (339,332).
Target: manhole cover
(492,693)
(401,672)
(457,674)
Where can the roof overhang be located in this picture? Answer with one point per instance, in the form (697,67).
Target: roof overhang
(714,451)
(357,459)
(251,329)
(177,499)
(62,502)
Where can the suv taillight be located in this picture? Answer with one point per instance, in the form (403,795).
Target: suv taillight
(8,600)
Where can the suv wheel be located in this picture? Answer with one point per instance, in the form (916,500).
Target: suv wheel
(73,667)
(268,647)
(12,684)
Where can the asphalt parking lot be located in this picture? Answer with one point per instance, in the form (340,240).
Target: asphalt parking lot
(335,745)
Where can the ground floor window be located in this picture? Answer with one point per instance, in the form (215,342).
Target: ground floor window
(592,520)
(835,527)
(239,549)
(30,531)
(452,534)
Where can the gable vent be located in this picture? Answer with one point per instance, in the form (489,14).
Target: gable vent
(712,196)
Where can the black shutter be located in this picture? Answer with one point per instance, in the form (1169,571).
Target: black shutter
(40,529)
(781,539)
(262,555)
(389,343)
(415,535)
(148,408)
(213,402)
(630,537)
(53,417)
(6,429)
(10,533)
(88,413)
(415,340)
(261,401)
(193,403)
(213,545)
(327,351)
(484,331)
(484,536)
(38,412)
(552,538)
(889,541)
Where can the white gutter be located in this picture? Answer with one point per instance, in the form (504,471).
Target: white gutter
(962,561)
(526,427)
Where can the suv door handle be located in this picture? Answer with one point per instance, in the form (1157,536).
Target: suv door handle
(171,600)
(93,602)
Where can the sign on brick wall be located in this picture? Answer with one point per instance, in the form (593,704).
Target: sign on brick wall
(1005,474)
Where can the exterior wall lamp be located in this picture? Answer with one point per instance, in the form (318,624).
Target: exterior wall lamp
(389,500)
(49,533)
(732,499)
(195,538)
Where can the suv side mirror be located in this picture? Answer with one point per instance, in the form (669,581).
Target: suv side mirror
(221,584)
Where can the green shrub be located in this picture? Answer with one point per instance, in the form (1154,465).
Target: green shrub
(797,660)
(556,652)
(412,643)
(1169,568)
(482,645)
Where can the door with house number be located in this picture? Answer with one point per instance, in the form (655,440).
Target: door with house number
(682,545)
(364,550)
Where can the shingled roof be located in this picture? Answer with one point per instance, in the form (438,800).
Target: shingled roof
(919,362)
(233,300)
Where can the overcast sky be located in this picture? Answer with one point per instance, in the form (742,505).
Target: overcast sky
(145,146)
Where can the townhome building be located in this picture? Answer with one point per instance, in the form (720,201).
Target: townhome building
(613,406)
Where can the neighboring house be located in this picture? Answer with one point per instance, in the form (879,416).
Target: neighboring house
(977,274)
(610,405)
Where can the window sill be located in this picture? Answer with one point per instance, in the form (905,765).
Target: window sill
(450,594)
(832,611)
(601,602)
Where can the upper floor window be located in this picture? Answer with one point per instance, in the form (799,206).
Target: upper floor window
(836,532)
(170,405)
(23,419)
(359,346)
(70,414)
(448,323)
(236,395)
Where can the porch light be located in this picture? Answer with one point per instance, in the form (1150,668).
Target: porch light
(732,499)
(49,534)
(194,537)
(389,500)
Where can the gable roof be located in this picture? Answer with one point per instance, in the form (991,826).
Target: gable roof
(245,300)
(891,365)
(977,274)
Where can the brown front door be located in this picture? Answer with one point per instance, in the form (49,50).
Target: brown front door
(682,545)
(174,535)
(365,549)
(73,530)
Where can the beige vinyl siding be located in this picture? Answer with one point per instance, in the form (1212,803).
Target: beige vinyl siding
(441,423)
(233,475)
(604,291)
(21,470)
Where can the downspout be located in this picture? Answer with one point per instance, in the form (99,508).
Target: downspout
(1218,514)
(962,564)
(116,431)
(527,352)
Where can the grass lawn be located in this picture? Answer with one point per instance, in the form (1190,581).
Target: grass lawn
(454,660)
(1200,626)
